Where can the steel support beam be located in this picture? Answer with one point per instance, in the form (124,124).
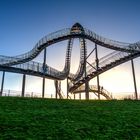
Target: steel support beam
(56,88)
(43,82)
(80,96)
(74,96)
(43,87)
(67,88)
(2,83)
(59,90)
(23,85)
(86,82)
(98,86)
(97,67)
(134,80)
(90,53)
(87,90)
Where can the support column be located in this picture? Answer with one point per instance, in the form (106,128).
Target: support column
(86,82)
(43,82)
(79,96)
(97,67)
(59,90)
(134,80)
(23,85)
(74,96)
(43,87)
(2,83)
(56,88)
(87,90)
(67,88)
(98,86)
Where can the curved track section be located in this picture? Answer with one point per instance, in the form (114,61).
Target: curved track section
(93,88)
(65,34)
(23,64)
(83,54)
(106,63)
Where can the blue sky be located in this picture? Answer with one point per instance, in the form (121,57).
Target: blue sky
(24,22)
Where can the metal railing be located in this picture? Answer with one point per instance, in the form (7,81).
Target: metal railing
(23,61)
(94,88)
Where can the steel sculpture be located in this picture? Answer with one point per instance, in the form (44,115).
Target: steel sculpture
(25,65)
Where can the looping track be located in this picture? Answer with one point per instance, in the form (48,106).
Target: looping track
(23,63)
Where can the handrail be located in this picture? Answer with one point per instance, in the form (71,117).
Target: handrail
(77,31)
(94,88)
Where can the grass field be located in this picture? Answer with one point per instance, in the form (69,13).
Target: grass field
(47,119)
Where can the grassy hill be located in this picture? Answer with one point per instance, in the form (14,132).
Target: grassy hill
(47,119)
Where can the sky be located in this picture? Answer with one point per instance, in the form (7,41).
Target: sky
(24,22)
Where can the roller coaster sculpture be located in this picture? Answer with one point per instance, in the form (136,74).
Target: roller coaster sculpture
(78,82)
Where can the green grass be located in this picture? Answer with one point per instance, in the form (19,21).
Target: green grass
(47,119)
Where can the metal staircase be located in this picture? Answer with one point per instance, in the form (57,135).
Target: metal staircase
(94,89)
(23,63)
(105,63)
